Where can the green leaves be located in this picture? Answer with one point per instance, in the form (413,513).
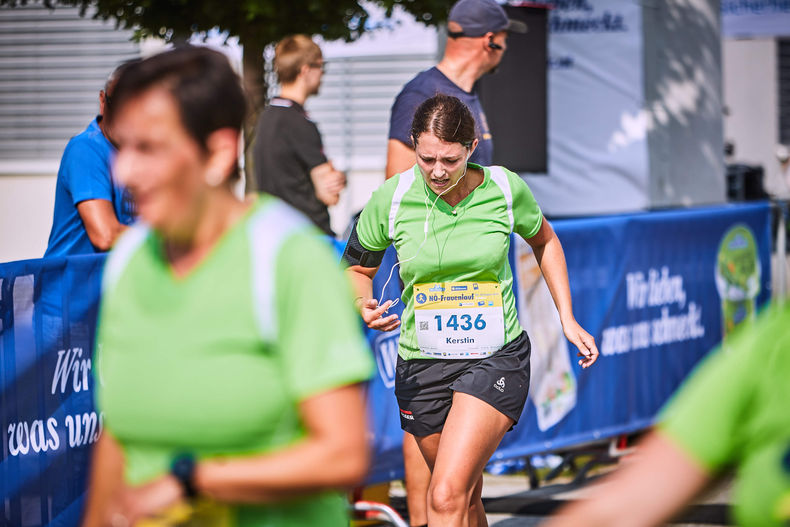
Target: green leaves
(265,21)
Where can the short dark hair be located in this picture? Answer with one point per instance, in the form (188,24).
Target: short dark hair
(447,118)
(207,91)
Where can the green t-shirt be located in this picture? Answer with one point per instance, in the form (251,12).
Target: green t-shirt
(465,243)
(216,362)
(733,412)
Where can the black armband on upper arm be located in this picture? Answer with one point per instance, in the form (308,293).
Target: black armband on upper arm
(356,254)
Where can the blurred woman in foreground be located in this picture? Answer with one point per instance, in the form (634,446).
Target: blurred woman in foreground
(228,348)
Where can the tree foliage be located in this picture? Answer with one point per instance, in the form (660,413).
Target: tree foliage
(253,21)
(257,23)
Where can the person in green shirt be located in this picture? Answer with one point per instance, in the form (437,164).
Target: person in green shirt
(731,414)
(463,369)
(229,353)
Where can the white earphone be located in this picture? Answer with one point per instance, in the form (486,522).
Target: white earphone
(425,227)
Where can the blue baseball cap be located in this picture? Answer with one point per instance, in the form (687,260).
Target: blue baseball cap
(475,18)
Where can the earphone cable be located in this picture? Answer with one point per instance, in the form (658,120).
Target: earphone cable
(425,231)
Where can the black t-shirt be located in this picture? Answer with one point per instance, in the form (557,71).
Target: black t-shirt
(287,147)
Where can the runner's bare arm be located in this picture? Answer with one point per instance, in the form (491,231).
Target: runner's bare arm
(647,490)
(551,259)
(333,455)
(105,480)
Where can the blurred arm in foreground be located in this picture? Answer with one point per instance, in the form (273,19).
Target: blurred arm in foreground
(731,413)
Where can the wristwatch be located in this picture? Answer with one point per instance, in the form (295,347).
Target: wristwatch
(183,469)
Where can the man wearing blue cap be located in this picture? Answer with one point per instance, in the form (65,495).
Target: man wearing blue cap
(476,31)
(476,34)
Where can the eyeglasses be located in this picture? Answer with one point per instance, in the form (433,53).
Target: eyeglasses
(318,65)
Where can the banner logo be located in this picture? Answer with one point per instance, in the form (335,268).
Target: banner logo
(385,347)
(737,276)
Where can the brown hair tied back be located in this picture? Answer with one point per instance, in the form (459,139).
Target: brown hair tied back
(447,118)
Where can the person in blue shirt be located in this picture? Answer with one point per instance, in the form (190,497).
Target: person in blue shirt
(91,209)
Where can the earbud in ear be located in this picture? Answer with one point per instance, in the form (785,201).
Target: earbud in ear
(493,45)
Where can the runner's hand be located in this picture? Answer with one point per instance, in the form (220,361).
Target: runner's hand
(133,504)
(585,342)
(373,314)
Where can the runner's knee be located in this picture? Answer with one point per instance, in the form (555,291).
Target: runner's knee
(447,497)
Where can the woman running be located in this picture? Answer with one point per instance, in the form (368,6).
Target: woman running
(463,367)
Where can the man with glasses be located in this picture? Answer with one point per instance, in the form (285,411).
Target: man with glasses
(288,155)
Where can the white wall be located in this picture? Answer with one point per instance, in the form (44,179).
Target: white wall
(751,97)
(26,204)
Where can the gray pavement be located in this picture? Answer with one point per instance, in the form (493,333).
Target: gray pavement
(509,501)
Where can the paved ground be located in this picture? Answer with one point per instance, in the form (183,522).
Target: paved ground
(509,502)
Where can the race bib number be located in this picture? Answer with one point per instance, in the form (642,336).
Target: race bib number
(459,320)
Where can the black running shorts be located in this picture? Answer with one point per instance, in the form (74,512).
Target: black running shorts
(425,387)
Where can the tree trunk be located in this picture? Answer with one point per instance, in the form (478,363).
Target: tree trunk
(255,88)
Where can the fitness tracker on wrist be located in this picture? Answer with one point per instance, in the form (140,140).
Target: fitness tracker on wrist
(183,469)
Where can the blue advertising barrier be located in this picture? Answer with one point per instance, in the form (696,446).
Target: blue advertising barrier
(646,286)
(48,314)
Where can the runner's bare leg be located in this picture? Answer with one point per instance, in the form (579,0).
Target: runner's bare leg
(418,477)
(457,456)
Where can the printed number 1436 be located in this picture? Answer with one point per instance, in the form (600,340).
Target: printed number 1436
(462,322)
